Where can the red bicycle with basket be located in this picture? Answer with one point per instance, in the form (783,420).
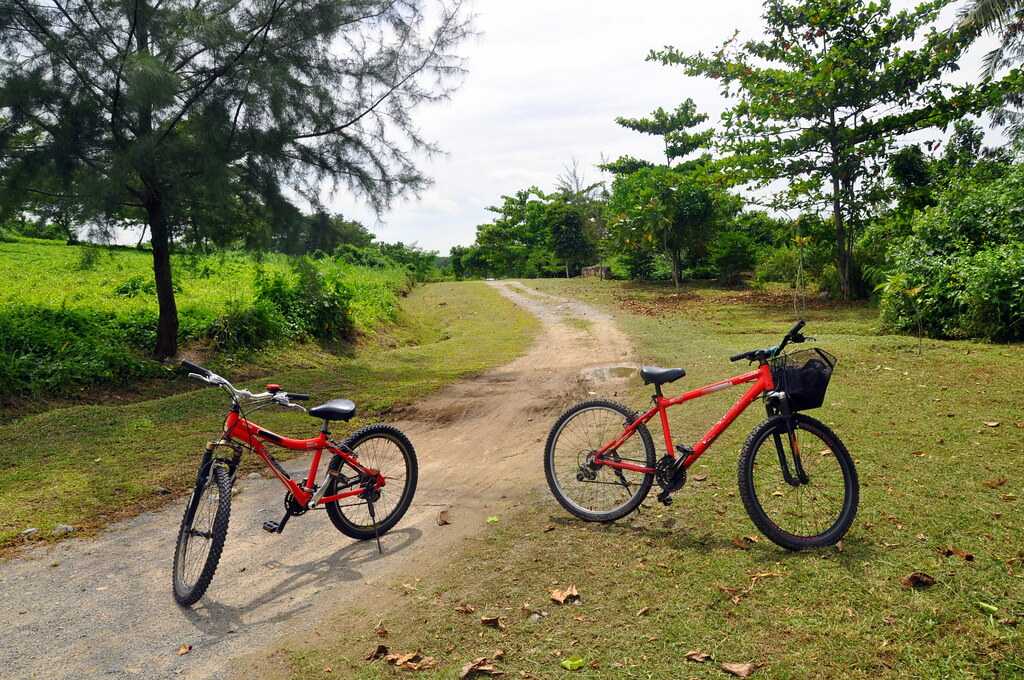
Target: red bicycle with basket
(797,481)
(366,489)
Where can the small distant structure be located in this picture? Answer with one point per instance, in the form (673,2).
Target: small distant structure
(597,271)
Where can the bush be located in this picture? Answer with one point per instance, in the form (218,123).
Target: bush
(244,326)
(311,305)
(778,265)
(55,351)
(732,253)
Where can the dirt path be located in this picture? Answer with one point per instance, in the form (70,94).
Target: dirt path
(102,608)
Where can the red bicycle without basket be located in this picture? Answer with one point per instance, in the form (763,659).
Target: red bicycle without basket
(366,489)
(600,462)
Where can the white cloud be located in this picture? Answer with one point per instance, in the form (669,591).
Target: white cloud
(546,81)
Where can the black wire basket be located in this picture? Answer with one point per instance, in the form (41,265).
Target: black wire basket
(803,376)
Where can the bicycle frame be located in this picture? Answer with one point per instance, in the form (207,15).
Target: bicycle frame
(762,382)
(252,435)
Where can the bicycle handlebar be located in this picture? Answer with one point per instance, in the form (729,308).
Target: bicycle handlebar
(793,336)
(281,398)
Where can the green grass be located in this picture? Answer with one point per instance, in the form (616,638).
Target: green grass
(80,316)
(86,465)
(915,426)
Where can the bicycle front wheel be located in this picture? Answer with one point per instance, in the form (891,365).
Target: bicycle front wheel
(597,493)
(201,537)
(807,500)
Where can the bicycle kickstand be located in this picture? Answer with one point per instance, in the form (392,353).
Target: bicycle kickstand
(373,517)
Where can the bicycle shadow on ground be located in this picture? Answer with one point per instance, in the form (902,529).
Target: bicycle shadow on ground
(282,581)
(855,550)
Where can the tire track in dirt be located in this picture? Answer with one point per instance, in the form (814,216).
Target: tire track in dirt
(102,608)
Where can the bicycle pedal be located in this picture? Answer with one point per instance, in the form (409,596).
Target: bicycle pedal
(272,527)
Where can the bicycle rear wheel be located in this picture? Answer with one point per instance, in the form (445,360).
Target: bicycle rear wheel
(597,493)
(793,512)
(201,537)
(387,449)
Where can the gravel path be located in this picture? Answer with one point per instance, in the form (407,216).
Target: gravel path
(102,608)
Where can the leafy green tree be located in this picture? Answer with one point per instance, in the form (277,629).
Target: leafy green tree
(569,239)
(823,96)
(162,111)
(662,207)
(518,241)
(1003,19)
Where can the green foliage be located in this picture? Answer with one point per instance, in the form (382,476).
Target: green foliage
(732,253)
(62,328)
(824,95)
(964,261)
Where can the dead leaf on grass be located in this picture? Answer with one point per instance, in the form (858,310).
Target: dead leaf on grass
(184,649)
(411,661)
(549,528)
(740,543)
(917,579)
(479,666)
(991,423)
(740,670)
(697,656)
(701,477)
(493,622)
(465,608)
(379,652)
(950,550)
(442,518)
(643,611)
(568,595)
(995,482)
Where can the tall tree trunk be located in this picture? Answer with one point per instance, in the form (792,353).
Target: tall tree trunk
(167,326)
(677,266)
(842,252)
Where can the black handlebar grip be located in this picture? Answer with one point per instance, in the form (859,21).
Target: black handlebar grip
(796,327)
(194,368)
(297,397)
(737,357)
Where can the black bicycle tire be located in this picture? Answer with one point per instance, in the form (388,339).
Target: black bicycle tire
(334,511)
(629,416)
(184,595)
(760,518)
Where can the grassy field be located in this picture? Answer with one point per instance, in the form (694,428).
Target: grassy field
(85,465)
(79,316)
(937,473)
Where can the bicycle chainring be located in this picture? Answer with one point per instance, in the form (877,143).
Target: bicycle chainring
(292,506)
(669,476)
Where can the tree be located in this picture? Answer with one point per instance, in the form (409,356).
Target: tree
(1003,19)
(823,96)
(569,239)
(661,206)
(161,112)
(674,129)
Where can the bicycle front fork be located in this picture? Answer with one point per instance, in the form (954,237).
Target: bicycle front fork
(781,408)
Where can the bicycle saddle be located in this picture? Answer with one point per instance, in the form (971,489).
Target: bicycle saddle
(656,375)
(335,409)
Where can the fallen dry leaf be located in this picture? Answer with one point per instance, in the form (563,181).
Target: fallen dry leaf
(740,670)
(549,528)
(465,608)
(700,477)
(184,649)
(995,482)
(570,594)
(643,611)
(919,454)
(493,622)
(991,423)
(479,666)
(917,579)
(379,652)
(740,543)
(697,656)
(950,550)
(411,661)
(442,518)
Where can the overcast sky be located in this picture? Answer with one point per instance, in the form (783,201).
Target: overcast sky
(546,81)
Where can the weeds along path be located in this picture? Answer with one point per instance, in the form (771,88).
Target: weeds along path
(102,608)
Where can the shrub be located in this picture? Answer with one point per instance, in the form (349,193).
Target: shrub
(244,326)
(310,304)
(778,265)
(732,253)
